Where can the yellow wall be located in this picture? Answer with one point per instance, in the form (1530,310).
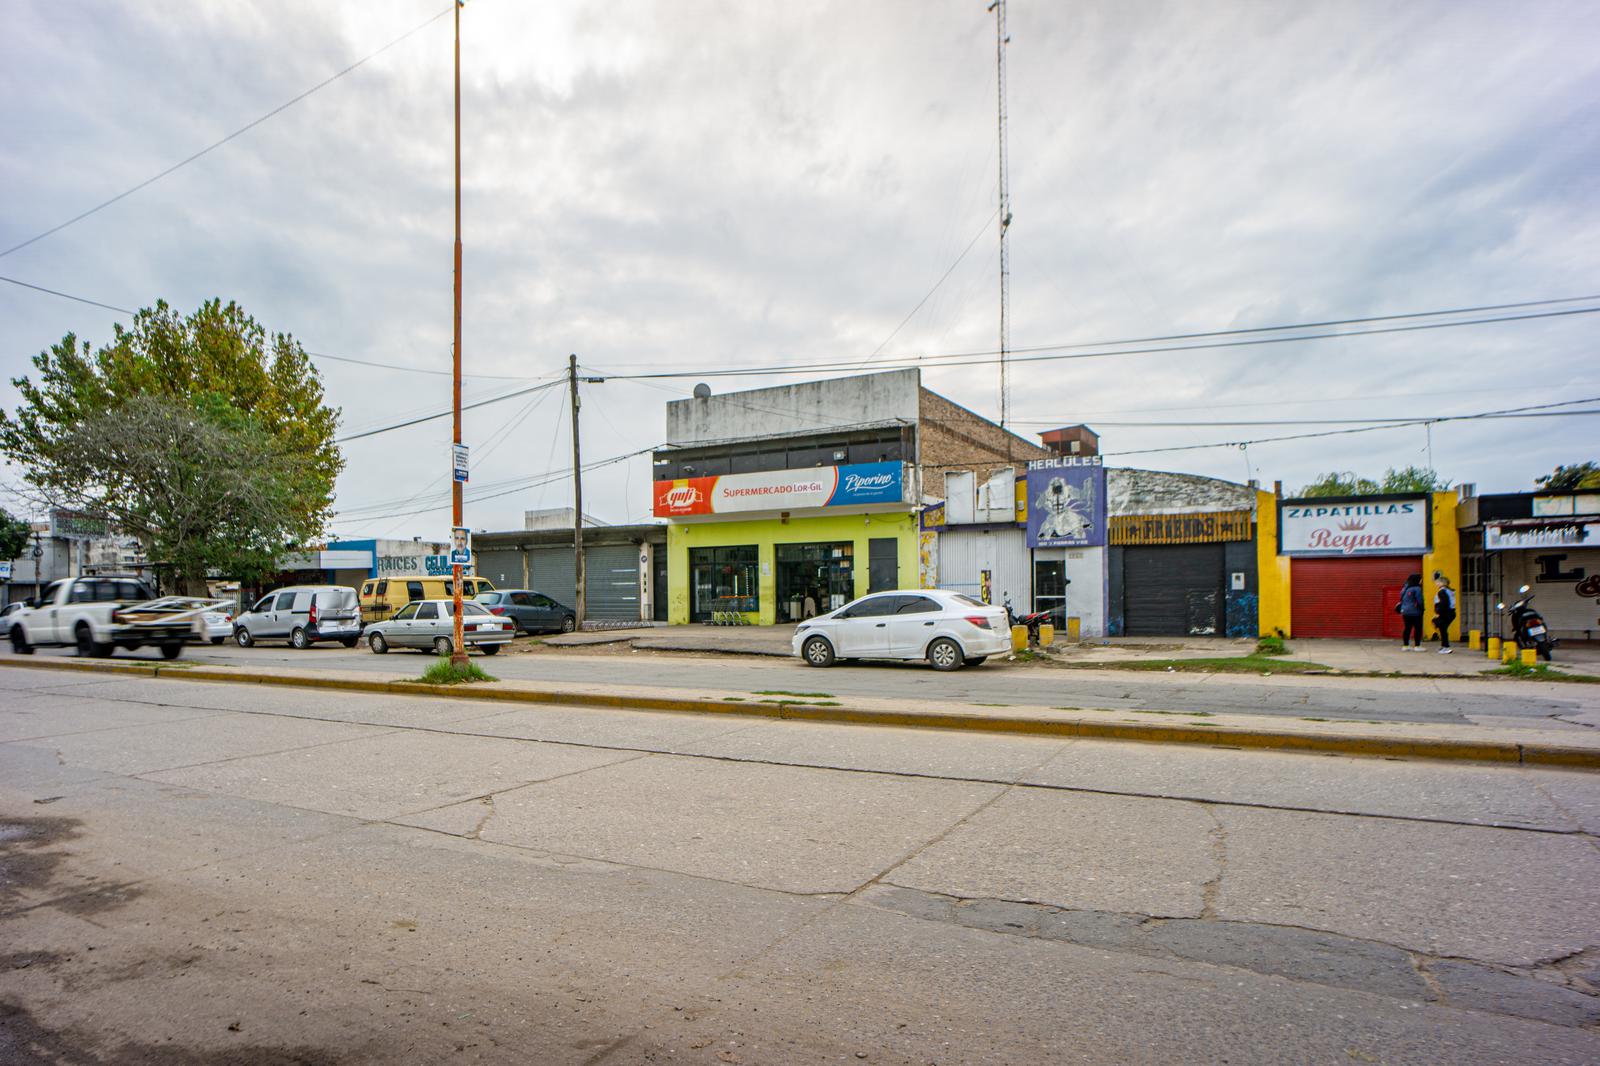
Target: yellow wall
(1272,569)
(766,533)
(1445,558)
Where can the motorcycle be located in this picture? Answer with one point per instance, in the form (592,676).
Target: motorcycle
(1031,621)
(1527,625)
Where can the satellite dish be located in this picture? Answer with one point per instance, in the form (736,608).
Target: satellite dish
(702,391)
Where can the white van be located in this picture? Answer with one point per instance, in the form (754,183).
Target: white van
(302,615)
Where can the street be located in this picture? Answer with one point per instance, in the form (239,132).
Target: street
(1474,700)
(211,873)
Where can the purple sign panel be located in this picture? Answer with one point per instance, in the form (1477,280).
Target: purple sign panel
(1067,502)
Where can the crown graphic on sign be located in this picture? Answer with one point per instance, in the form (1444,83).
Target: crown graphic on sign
(1352,526)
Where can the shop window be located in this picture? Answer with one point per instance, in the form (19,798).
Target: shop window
(878,451)
(714,466)
(723,580)
(813,579)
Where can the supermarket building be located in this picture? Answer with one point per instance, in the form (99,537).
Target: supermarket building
(802,497)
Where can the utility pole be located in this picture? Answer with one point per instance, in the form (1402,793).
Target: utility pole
(1000,42)
(458,647)
(577,496)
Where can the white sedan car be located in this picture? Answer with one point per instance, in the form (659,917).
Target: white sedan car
(946,628)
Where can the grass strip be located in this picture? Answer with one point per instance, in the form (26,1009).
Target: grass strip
(445,672)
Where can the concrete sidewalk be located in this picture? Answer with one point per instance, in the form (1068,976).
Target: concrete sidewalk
(1352,656)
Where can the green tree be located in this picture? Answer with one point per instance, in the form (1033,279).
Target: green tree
(1348,483)
(243,388)
(1338,483)
(1567,478)
(1413,479)
(14,536)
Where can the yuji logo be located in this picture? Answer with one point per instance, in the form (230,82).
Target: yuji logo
(681,497)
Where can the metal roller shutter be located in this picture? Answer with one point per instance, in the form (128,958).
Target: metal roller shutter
(1173,590)
(503,567)
(1352,597)
(552,571)
(611,581)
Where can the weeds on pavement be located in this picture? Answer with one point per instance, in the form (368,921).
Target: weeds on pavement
(444,672)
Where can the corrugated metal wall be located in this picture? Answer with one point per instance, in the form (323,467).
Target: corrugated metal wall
(965,553)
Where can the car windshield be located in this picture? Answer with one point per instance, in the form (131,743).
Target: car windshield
(468,607)
(969,601)
(489,597)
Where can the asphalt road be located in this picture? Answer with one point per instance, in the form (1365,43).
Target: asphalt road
(205,873)
(1359,699)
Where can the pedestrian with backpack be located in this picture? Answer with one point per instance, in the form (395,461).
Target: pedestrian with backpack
(1444,610)
(1411,608)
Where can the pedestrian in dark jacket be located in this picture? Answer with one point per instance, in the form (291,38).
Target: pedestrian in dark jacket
(1411,609)
(1444,611)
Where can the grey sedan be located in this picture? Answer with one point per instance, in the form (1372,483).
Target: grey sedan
(430,624)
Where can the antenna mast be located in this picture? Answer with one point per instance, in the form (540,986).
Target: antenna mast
(1001,39)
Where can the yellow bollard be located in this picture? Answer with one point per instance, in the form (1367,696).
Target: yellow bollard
(1508,652)
(1074,627)
(1019,638)
(1494,648)
(1047,635)
(1475,639)
(1530,656)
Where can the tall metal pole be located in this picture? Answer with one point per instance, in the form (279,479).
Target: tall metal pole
(1000,42)
(577,495)
(458,653)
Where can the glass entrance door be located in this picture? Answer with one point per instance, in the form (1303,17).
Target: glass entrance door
(1050,590)
(814,578)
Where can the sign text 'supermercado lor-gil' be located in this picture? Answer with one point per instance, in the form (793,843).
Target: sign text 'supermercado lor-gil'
(1345,560)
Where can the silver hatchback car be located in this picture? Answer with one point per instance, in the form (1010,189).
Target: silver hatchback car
(431,624)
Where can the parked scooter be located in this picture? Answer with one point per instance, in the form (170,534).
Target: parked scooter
(1527,625)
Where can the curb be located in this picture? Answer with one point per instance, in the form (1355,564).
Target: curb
(1483,751)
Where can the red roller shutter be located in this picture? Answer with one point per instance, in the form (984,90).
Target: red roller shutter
(1348,597)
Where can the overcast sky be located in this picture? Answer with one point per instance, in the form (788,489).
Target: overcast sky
(700,186)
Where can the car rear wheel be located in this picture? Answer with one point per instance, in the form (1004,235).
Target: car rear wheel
(817,652)
(350,642)
(242,637)
(299,639)
(489,649)
(443,646)
(945,654)
(976,660)
(378,645)
(88,647)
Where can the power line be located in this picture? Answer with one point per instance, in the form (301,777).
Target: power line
(1534,411)
(313,355)
(219,143)
(446,414)
(984,359)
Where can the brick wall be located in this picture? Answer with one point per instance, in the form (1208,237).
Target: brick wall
(954,438)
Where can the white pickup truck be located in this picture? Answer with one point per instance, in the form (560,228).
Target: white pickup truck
(100,614)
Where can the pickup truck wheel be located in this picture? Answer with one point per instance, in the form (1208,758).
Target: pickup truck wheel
(171,650)
(299,639)
(242,637)
(88,647)
(19,642)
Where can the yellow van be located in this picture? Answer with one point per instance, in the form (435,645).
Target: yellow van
(381,597)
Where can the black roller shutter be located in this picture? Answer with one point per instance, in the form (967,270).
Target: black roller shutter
(1173,590)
